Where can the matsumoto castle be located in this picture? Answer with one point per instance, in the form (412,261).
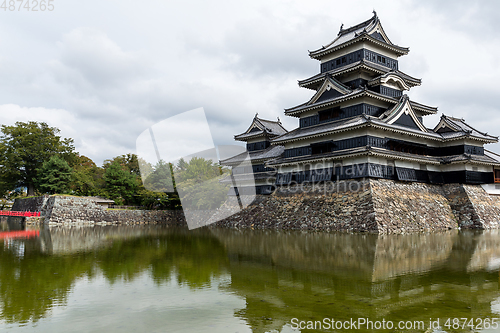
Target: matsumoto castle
(359,123)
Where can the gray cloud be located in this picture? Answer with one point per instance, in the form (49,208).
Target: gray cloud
(104,76)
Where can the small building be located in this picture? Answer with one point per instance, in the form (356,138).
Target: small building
(258,139)
(494,188)
(103,202)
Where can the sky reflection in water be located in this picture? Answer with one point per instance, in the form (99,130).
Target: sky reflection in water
(119,279)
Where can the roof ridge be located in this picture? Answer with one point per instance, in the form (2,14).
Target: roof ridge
(491,152)
(454,118)
(270,121)
(330,77)
(359,25)
(482,133)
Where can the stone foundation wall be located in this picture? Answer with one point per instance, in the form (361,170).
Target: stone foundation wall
(479,209)
(67,210)
(378,206)
(373,205)
(310,207)
(34,204)
(410,207)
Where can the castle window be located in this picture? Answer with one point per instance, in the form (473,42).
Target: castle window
(338,62)
(322,147)
(379,58)
(343,60)
(329,114)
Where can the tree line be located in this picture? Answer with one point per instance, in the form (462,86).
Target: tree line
(34,156)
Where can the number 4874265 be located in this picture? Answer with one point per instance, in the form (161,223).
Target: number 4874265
(27,5)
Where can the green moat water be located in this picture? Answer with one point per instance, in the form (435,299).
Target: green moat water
(154,279)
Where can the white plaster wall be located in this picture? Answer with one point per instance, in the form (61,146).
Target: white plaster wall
(491,189)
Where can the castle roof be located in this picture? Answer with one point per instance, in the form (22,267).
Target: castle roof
(356,93)
(479,159)
(451,127)
(315,81)
(355,152)
(370,30)
(384,153)
(261,127)
(384,122)
(255,156)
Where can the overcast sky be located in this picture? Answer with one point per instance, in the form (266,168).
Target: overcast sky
(104,71)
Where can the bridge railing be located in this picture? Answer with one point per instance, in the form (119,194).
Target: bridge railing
(17,213)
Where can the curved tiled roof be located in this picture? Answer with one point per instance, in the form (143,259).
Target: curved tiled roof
(265,128)
(481,159)
(358,92)
(458,127)
(365,120)
(268,153)
(314,81)
(362,31)
(358,151)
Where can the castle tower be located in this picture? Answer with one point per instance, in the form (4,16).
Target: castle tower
(360,122)
(258,138)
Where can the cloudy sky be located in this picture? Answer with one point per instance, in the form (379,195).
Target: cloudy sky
(104,71)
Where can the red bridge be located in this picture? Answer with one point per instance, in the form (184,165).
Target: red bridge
(19,234)
(24,214)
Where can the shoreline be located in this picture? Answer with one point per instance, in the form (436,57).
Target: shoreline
(378,206)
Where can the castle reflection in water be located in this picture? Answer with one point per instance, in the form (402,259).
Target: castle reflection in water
(280,275)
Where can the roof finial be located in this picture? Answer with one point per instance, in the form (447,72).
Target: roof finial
(279,121)
(374,13)
(256,114)
(341,26)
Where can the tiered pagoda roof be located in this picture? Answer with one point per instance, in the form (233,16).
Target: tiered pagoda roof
(316,103)
(316,80)
(370,31)
(261,128)
(358,115)
(255,156)
(383,122)
(450,127)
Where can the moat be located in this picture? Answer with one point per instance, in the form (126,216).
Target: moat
(159,279)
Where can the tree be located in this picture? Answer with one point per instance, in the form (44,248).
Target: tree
(23,149)
(129,161)
(198,183)
(54,176)
(160,179)
(87,177)
(121,185)
(196,170)
(156,193)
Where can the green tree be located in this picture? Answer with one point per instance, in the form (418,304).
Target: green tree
(23,149)
(160,180)
(129,161)
(88,178)
(196,170)
(198,183)
(156,193)
(121,185)
(54,176)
